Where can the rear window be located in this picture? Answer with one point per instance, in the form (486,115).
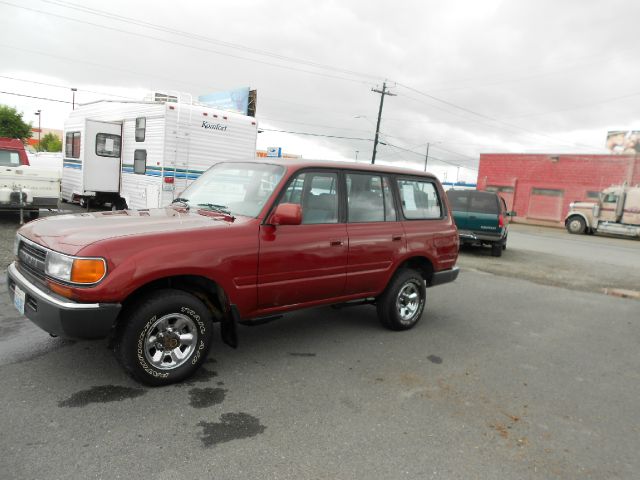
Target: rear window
(9,158)
(481,202)
(458,200)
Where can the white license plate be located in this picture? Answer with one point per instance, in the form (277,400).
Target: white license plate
(18,299)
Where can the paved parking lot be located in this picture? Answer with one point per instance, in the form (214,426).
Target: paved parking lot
(503,378)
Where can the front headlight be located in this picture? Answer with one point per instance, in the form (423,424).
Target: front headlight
(58,266)
(75,270)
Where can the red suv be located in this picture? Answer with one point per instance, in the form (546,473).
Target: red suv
(244,243)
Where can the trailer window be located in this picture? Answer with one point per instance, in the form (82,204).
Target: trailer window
(141,128)
(140,162)
(72,145)
(108,145)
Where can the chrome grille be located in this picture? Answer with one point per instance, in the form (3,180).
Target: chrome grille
(32,258)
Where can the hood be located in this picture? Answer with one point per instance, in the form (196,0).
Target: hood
(70,233)
(583,205)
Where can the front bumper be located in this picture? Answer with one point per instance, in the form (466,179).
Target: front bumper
(444,276)
(60,316)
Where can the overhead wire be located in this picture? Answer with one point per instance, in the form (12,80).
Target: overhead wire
(181,44)
(193,36)
(63,86)
(37,98)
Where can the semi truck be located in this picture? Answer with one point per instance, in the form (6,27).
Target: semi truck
(616,212)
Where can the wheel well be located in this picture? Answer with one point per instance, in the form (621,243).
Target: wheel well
(422,265)
(211,294)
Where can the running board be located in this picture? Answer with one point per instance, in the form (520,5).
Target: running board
(259,321)
(354,303)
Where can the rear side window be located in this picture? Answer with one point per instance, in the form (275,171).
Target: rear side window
(369,198)
(108,145)
(72,145)
(420,199)
(481,202)
(9,158)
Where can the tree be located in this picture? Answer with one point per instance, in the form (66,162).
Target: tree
(50,143)
(12,125)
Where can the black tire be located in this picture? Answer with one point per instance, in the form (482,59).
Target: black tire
(496,249)
(576,225)
(390,305)
(153,332)
(119,204)
(34,214)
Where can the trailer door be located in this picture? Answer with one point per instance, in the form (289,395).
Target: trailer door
(102,156)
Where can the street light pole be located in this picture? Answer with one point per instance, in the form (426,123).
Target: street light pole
(356,155)
(39,128)
(73,98)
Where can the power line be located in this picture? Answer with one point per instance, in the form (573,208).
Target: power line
(38,98)
(486,117)
(311,134)
(165,29)
(430,156)
(186,45)
(63,86)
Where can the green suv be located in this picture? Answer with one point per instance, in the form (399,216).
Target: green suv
(482,218)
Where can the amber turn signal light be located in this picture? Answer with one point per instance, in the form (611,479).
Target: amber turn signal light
(88,270)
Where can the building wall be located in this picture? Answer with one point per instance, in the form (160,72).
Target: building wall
(540,187)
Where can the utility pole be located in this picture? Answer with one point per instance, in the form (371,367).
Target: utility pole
(73,98)
(39,127)
(382,93)
(426,158)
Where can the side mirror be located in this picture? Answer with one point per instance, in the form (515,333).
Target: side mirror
(286,214)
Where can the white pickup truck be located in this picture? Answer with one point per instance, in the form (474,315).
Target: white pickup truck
(24,187)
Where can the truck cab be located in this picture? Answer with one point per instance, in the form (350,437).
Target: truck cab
(616,212)
(23,187)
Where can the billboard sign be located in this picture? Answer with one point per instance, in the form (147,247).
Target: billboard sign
(626,142)
(233,100)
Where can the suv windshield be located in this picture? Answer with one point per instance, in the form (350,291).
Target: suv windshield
(235,188)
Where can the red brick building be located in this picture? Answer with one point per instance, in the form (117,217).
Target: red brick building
(539,187)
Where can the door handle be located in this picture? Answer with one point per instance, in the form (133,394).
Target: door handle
(336,243)
(396,238)
(472,216)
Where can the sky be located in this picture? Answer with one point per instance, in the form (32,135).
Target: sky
(466,77)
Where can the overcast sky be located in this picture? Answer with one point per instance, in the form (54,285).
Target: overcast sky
(469,76)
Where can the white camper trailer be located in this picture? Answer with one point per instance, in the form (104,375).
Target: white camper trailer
(142,154)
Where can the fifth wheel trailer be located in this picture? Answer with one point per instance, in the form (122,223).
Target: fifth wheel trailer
(142,154)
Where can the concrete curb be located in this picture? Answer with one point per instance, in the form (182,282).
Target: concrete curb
(622,293)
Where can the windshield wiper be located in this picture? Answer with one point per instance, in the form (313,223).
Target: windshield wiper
(216,208)
(183,201)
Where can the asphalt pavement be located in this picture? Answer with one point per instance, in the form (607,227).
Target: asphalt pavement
(519,369)
(502,378)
